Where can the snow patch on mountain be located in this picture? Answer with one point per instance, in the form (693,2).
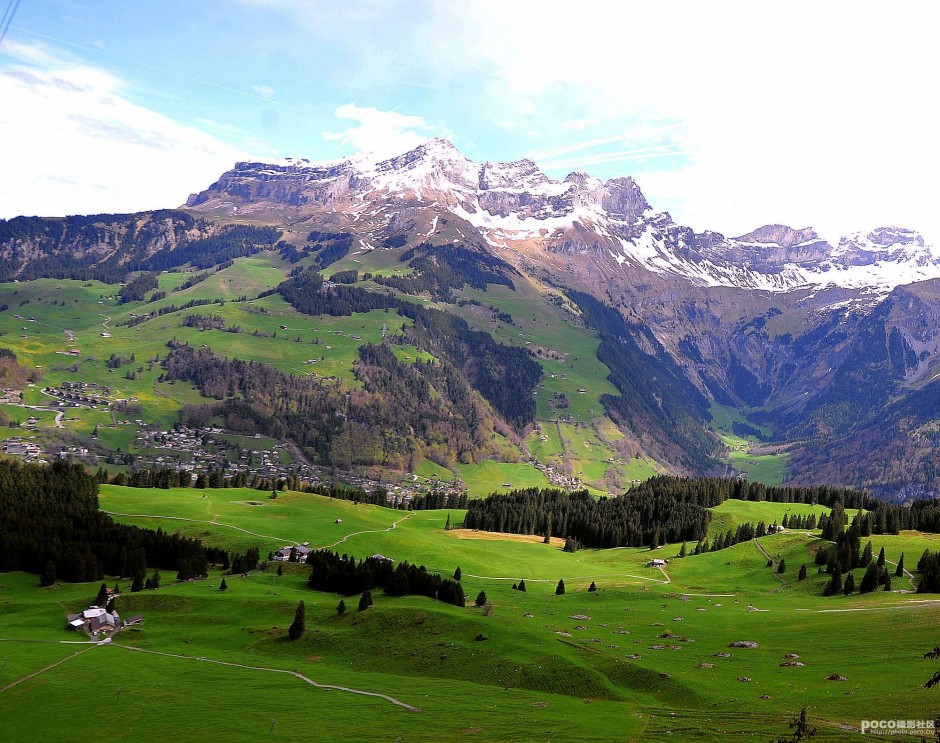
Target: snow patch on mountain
(515,202)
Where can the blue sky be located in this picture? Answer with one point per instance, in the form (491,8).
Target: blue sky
(728,114)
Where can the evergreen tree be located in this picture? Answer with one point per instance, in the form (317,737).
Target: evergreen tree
(299,625)
(365,601)
(683,550)
(223,586)
(48,575)
(341,607)
(782,566)
(849,584)
(881,558)
(866,557)
(886,580)
(870,580)
(592,588)
(899,573)
(560,588)
(458,574)
(447,524)
(481,599)
(102,597)
(522,585)
(802,573)
(280,570)
(835,583)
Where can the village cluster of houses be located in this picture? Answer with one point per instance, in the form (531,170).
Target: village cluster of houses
(17,447)
(80,393)
(186,449)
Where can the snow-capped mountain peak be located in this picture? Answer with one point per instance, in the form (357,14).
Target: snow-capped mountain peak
(515,205)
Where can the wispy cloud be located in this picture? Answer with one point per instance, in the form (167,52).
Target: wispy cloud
(265,91)
(669,151)
(75,143)
(382,133)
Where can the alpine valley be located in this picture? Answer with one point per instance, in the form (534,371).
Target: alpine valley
(427,318)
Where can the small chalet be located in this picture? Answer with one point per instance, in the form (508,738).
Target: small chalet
(291,553)
(657,562)
(94,620)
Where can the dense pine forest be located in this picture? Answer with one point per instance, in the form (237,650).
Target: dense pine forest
(505,376)
(403,413)
(672,509)
(342,574)
(50,525)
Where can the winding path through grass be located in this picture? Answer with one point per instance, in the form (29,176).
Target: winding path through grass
(368,531)
(199,521)
(295,674)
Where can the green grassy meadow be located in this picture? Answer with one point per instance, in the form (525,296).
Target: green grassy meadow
(622,663)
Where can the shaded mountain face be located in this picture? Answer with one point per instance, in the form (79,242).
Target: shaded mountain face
(816,341)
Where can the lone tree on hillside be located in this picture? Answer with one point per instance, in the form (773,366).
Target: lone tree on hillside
(458,574)
(299,625)
(223,586)
(802,574)
(801,730)
(899,573)
(521,585)
(560,588)
(782,566)
(341,607)
(365,601)
(481,599)
(592,588)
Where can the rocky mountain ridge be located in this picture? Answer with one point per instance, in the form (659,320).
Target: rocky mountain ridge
(514,206)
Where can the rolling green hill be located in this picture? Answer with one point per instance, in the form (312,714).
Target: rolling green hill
(639,654)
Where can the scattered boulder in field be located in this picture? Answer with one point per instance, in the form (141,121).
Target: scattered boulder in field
(791,656)
(705,665)
(749,644)
(481,637)
(792,664)
(835,677)
(745,679)
(722,655)
(580,617)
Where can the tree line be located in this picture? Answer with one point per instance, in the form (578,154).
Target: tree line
(50,525)
(661,510)
(342,574)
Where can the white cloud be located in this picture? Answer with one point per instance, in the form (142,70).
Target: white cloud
(265,91)
(381,133)
(74,142)
(579,125)
(811,112)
